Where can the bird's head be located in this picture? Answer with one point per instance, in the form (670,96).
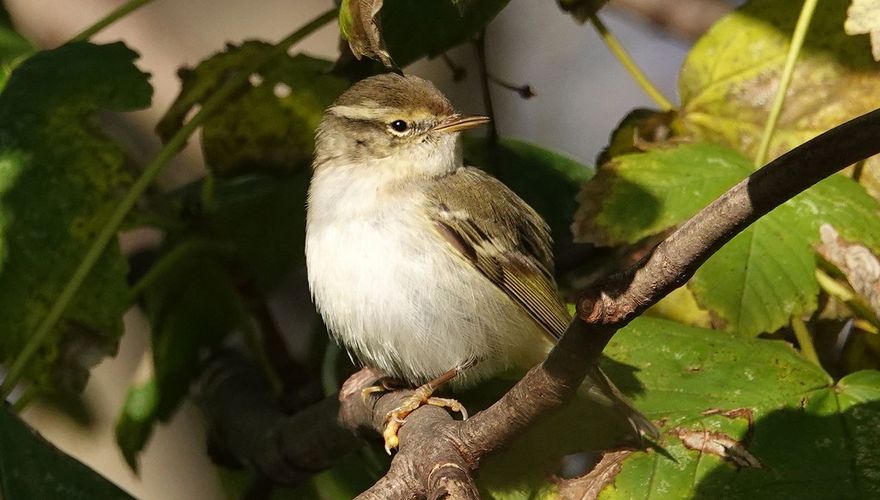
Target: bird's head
(394,122)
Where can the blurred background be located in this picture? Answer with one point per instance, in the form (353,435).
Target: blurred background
(581,93)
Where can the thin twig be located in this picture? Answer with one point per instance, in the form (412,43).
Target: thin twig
(845,294)
(458,71)
(480,45)
(168,261)
(525,91)
(28,395)
(805,340)
(123,10)
(627,61)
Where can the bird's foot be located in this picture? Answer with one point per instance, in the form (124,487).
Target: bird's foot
(422,396)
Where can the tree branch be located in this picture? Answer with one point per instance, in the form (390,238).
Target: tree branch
(437,453)
(431,439)
(247,427)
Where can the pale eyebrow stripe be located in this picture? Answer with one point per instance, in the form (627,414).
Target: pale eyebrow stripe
(360,112)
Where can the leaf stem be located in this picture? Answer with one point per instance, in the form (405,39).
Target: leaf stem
(167,262)
(626,60)
(258,347)
(480,46)
(797,41)
(846,295)
(805,340)
(329,362)
(27,396)
(108,231)
(123,10)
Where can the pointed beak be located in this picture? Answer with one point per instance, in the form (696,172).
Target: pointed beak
(457,123)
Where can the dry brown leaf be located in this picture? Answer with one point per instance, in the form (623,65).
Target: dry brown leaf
(590,485)
(860,266)
(719,444)
(863,17)
(359,23)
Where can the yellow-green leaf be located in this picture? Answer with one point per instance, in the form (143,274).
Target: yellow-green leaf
(761,277)
(729,78)
(270,126)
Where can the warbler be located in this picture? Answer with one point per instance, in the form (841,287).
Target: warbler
(424,268)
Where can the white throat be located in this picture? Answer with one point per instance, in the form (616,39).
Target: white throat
(342,187)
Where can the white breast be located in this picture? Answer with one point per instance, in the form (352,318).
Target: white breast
(395,293)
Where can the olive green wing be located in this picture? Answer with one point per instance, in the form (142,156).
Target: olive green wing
(503,238)
(509,243)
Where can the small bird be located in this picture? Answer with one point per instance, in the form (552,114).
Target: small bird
(426,269)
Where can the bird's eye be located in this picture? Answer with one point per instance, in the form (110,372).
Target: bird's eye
(399,126)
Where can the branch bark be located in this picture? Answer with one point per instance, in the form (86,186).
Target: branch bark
(248,428)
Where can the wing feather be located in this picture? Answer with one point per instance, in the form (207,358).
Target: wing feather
(509,243)
(503,238)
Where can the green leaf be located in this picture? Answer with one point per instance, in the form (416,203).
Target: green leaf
(413,30)
(14,48)
(270,127)
(811,437)
(135,424)
(641,194)
(756,282)
(59,180)
(546,180)
(5,20)
(407,31)
(729,78)
(264,218)
(681,306)
(635,133)
(260,218)
(346,20)
(192,306)
(769,269)
(522,468)
(30,467)
(762,277)
(844,204)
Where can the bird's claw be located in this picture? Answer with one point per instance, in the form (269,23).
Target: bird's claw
(385,385)
(396,417)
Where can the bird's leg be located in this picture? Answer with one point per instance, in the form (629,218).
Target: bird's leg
(422,396)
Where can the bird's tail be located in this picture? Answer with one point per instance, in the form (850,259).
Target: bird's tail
(598,387)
